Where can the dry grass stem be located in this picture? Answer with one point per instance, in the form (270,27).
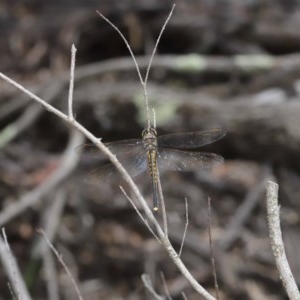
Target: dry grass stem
(71,86)
(149,286)
(211,250)
(186,226)
(9,264)
(60,259)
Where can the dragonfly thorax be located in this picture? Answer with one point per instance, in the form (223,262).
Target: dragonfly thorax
(149,138)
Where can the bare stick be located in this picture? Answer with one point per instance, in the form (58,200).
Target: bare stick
(60,259)
(162,204)
(211,250)
(184,297)
(277,244)
(154,118)
(10,265)
(51,275)
(126,43)
(149,286)
(150,63)
(71,87)
(185,227)
(157,42)
(51,220)
(167,292)
(13,265)
(139,214)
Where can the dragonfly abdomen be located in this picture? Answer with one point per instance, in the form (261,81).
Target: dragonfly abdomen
(152,163)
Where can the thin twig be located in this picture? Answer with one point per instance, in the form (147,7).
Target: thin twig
(139,213)
(51,220)
(150,63)
(51,275)
(186,226)
(211,250)
(156,44)
(71,87)
(144,85)
(30,114)
(154,118)
(60,259)
(184,296)
(143,81)
(126,43)
(13,266)
(148,285)
(162,205)
(277,244)
(167,292)
(10,266)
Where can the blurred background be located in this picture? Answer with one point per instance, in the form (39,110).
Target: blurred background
(229,64)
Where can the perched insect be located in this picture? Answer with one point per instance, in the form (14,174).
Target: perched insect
(165,152)
(157,153)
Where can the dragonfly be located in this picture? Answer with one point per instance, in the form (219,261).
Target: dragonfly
(165,152)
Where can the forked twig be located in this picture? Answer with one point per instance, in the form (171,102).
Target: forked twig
(143,81)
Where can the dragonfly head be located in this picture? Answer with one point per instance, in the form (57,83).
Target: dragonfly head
(149,133)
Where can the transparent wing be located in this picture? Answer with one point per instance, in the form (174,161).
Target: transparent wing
(130,153)
(190,140)
(125,147)
(177,160)
(134,163)
(119,147)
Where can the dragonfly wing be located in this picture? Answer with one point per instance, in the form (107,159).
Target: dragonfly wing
(191,139)
(131,155)
(125,147)
(134,165)
(119,148)
(177,160)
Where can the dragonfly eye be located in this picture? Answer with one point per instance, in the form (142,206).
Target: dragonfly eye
(149,131)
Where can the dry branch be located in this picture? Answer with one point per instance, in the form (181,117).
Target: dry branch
(277,242)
